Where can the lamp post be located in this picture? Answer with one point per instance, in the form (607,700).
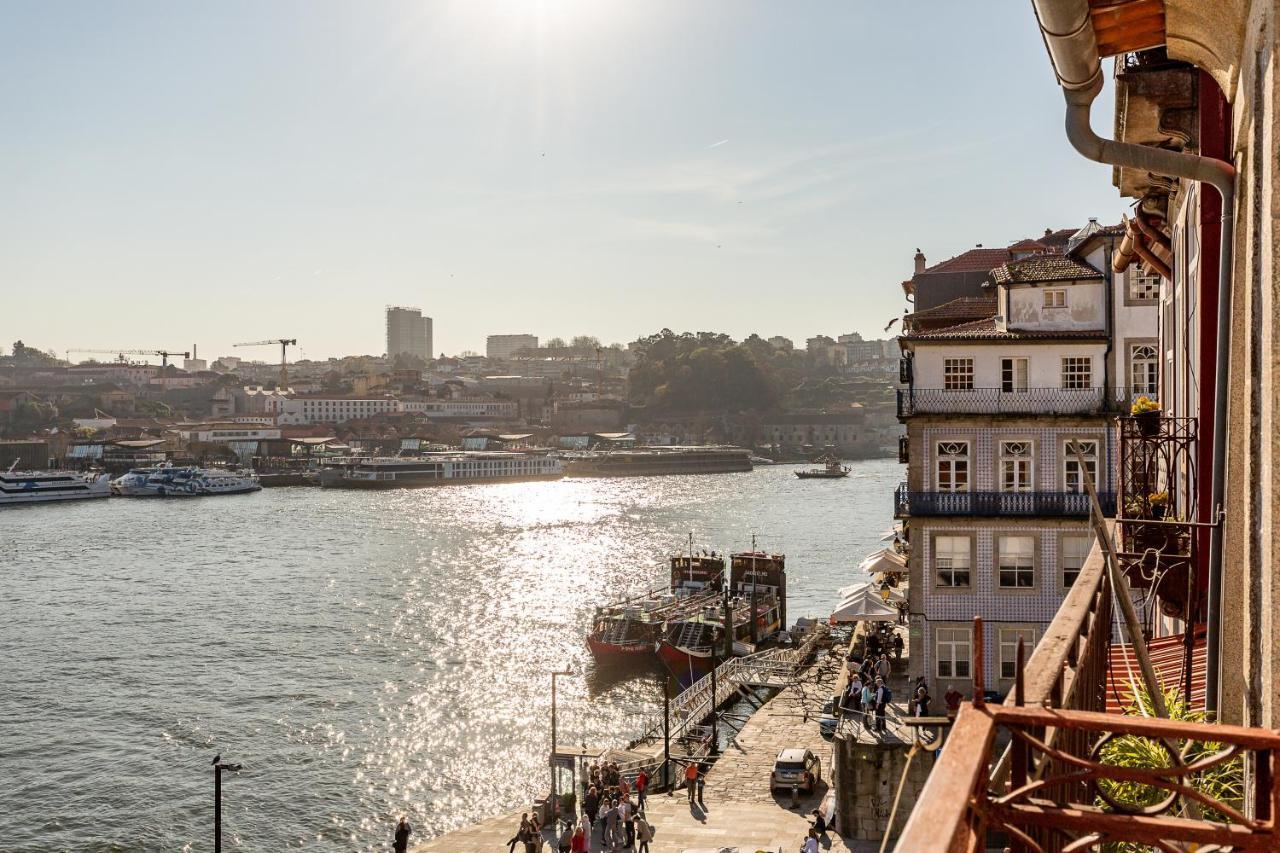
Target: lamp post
(555,800)
(218,766)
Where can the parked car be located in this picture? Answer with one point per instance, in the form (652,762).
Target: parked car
(828,722)
(796,767)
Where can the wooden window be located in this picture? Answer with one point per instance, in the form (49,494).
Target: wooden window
(1143,288)
(1016,560)
(1144,370)
(1073,551)
(957,374)
(1009,638)
(1013,375)
(951,560)
(952,650)
(1072,474)
(953,466)
(1077,372)
(1055,299)
(1016,466)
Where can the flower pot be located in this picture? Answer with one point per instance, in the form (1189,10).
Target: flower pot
(1158,511)
(1148,423)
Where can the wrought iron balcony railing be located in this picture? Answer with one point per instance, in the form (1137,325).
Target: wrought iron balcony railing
(1029,401)
(1066,504)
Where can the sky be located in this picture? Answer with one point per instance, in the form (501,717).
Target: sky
(177,173)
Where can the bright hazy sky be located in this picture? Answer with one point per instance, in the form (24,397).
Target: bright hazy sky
(177,173)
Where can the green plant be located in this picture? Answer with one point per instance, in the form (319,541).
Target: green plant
(1144,405)
(1223,782)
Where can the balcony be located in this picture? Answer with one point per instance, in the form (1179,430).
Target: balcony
(994,401)
(909,504)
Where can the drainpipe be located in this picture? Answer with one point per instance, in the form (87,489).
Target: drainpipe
(1068,35)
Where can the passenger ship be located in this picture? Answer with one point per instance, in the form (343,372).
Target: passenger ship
(440,469)
(30,487)
(649,461)
(182,481)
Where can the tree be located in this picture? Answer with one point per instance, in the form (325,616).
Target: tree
(706,371)
(554,343)
(585,342)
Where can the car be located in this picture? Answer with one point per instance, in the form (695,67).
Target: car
(828,721)
(795,768)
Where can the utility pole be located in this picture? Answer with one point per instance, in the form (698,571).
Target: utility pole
(666,734)
(555,800)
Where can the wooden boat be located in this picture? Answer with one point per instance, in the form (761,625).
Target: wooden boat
(831,470)
(631,627)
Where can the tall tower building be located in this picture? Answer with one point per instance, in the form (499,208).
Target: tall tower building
(408,332)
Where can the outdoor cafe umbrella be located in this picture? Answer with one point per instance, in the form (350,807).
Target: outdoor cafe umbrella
(895,594)
(863,606)
(883,560)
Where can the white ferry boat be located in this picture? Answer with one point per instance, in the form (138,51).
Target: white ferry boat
(439,469)
(30,487)
(167,481)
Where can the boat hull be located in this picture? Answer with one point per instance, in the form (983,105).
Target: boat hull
(686,665)
(339,482)
(820,475)
(619,651)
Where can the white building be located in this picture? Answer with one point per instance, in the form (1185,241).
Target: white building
(505,346)
(335,410)
(993,503)
(464,407)
(408,332)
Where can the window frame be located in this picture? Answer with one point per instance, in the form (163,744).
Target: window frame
(1069,459)
(1004,457)
(955,639)
(1139,289)
(1009,365)
(957,373)
(938,570)
(1071,375)
(1055,297)
(1151,362)
(1007,642)
(1063,538)
(954,461)
(1019,570)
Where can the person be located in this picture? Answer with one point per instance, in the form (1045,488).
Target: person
(519,837)
(644,834)
(898,646)
(902,613)
(868,702)
(952,698)
(883,667)
(403,830)
(882,697)
(920,704)
(702,782)
(810,843)
(853,696)
(624,787)
(578,844)
(628,816)
(642,784)
(611,828)
(591,806)
(819,822)
(691,781)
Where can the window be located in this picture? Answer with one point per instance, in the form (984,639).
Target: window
(1013,375)
(1017,562)
(1077,372)
(1009,638)
(1143,288)
(1015,466)
(952,647)
(953,466)
(1144,370)
(957,374)
(1072,478)
(951,556)
(1073,550)
(1055,299)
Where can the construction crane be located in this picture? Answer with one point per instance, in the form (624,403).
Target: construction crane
(163,353)
(284,343)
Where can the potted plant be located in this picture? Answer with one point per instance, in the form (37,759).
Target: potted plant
(1159,503)
(1146,412)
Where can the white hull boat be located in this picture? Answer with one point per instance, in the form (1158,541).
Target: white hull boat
(184,481)
(32,487)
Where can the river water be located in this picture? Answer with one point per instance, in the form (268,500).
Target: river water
(363,654)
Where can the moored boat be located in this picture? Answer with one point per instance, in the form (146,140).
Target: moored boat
(831,470)
(652,461)
(31,487)
(438,469)
(182,481)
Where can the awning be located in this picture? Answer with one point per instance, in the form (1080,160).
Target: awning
(863,606)
(884,560)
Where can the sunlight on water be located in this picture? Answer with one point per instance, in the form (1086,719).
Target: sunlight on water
(364,654)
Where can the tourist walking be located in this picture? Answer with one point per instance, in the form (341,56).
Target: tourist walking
(882,697)
(883,667)
(691,781)
(612,831)
(519,837)
(642,785)
(898,646)
(591,806)
(852,702)
(920,702)
(403,831)
(868,702)
(702,783)
(566,836)
(810,844)
(819,822)
(644,834)
(578,844)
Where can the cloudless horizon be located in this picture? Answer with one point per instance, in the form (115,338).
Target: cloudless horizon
(214,173)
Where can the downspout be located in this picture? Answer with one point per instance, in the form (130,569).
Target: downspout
(1073,49)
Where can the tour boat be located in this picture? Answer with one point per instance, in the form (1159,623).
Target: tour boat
(174,481)
(650,461)
(631,627)
(440,469)
(831,470)
(30,487)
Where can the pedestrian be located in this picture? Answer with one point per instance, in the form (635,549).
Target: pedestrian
(702,783)
(691,781)
(868,702)
(611,828)
(898,646)
(642,786)
(403,830)
(920,704)
(853,696)
(591,806)
(952,698)
(624,787)
(819,822)
(519,837)
(883,667)
(628,816)
(578,844)
(566,836)
(902,613)
(644,834)
(810,844)
(883,695)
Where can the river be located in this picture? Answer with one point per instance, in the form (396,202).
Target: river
(363,654)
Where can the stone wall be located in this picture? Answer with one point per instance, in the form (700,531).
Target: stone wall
(866,778)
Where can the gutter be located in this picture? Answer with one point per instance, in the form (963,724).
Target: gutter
(1068,35)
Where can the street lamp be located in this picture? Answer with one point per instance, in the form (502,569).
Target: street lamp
(555,800)
(218,766)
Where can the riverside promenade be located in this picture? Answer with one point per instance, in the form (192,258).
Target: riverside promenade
(740,810)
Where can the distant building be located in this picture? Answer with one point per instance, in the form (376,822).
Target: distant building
(195,364)
(505,346)
(335,410)
(779,342)
(408,333)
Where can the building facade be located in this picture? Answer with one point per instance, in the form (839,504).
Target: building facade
(1004,416)
(335,410)
(505,346)
(408,333)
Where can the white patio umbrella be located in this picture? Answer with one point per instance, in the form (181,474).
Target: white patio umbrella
(863,606)
(884,560)
(845,592)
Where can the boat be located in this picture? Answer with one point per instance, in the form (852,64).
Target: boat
(831,470)
(440,469)
(631,627)
(31,487)
(756,608)
(183,481)
(650,461)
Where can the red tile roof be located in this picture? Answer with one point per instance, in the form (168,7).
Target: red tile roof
(1043,268)
(974,260)
(961,309)
(986,330)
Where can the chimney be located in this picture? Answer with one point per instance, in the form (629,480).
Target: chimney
(1048,232)
(919,260)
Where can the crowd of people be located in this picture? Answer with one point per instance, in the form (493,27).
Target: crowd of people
(867,695)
